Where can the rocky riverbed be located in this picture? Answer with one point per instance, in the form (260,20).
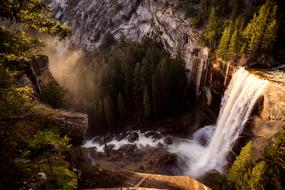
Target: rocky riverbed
(133,151)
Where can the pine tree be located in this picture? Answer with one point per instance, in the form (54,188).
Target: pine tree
(239,171)
(224,43)
(122,106)
(127,73)
(270,36)
(137,84)
(100,113)
(146,103)
(257,176)
(260,33)
(146,73)
(155,95)
(109,110)
(233,46)
(235,9)
(210,33)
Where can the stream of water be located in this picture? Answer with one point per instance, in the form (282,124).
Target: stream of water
(209,147)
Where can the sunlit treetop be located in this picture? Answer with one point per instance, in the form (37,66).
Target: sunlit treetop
(33,14)
(18,44)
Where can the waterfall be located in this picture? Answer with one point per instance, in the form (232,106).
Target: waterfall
(209,147)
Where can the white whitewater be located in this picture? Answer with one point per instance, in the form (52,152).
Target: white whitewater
(141,142)
(209,147)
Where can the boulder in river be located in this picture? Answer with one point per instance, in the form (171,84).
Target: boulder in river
(133,136)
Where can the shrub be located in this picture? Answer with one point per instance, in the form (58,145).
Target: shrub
(239,171)
(49,137)
(53,95)
(13,99)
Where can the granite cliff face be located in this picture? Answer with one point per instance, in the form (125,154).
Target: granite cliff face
(163,21)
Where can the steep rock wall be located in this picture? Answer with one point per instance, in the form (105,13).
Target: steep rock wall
(163,21)
(271,117)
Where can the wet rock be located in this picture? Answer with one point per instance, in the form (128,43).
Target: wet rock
(153,135)
(133,136)
(121,136)
(128,148)
(99,140)
(168,140)
(159,145)
(110,147)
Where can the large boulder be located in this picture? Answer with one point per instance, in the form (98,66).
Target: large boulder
(270,113)
(168,140)
(72,124)
(128,149)
(133,136)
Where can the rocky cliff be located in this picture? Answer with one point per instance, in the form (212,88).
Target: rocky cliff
(163,21)
(271,117)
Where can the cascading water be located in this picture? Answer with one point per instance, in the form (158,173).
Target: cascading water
(209,147)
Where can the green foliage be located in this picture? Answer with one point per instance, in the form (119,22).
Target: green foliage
(239,171)
(210,32)
(122,109)
(257,176)
(274,156)
(33,14)
(123,74)
(48,137)
(61,177)
(18,48)
(251,35)
(13,99)
(267,172)
(53,95)
(224,43)
(260,33)
(233,45)
(146,103)
(109,110)
(66,179)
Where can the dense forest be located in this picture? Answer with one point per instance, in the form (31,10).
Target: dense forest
(133,81)
(239,29)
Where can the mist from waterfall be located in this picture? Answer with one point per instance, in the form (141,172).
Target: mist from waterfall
(209,147)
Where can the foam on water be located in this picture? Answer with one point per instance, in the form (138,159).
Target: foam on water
(141,142)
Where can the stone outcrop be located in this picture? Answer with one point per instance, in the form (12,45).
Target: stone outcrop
(132,158)
(72,124)
(37,74)
(163,21)
(93,177)
(271,118)
(68,123)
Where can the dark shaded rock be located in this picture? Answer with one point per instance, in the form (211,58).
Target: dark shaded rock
(168,140)
(132,137)
(72,124)
(22,160)
(166,157)
(153,135)
(128,148)
(99,140)
(159,145)
(121,136)
(110,147)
